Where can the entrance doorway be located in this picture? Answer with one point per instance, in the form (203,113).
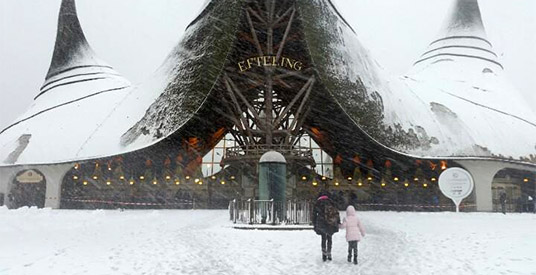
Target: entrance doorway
(28,189)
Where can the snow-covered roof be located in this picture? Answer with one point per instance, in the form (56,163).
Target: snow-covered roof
(455,103)
(451,105)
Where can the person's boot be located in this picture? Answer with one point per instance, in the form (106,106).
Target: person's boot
(355,259)
(329,256)
(349,257)
(324,256)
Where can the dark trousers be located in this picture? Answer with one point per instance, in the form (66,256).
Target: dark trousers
(326,243)
(352,246)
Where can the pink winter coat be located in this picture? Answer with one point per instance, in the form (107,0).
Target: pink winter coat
(354,229)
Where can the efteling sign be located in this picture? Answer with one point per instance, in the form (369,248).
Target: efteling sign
(270,61)
(456,184)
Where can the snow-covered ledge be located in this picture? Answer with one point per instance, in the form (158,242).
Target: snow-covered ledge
(54,177)
(483,173)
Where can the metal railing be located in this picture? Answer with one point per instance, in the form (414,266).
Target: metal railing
(270,212)
(258,150)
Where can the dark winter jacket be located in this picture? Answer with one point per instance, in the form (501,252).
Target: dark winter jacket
(319,219)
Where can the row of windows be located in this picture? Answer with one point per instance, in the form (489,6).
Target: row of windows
(212,160)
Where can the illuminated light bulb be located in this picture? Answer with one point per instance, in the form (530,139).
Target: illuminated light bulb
(196,180)
(122,177)
(177,182)
(168,177)
(360,183)
(383,184)
(200,182)
(142,177)
(131,182)
(84,183)
(336,183)
(424,185)
(304,178)
(76,166)
(406,184)
(109,168)
(95,177)
(108,182)
(525,180)
(433,179)
(395,179)
(324,178)
(232,177)
(187,177)
(75,177)
(222,182)
(213,177)
(416,179)
(349,178)
(315,183)
(369,178)
(155,182)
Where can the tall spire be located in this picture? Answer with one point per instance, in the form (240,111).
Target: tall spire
(462,36)
(71,49)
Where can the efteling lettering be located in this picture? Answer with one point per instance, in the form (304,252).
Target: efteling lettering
(270,61)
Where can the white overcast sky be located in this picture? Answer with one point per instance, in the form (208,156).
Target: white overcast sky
(134,36)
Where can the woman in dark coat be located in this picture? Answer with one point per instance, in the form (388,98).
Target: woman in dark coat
(326,222)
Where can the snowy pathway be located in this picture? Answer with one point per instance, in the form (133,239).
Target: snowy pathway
(202,242)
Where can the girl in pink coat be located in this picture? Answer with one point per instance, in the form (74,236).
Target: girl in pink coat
(354,232)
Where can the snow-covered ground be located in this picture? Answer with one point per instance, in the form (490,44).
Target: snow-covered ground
(48,241)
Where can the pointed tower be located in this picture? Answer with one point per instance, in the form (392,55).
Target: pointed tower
(71,49)
(73,60)
(462,38)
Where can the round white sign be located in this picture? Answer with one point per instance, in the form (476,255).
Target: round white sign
(456,184)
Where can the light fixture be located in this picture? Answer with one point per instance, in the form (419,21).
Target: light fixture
(75,177)
(168,177)
(349,178)
(155,182)
(196,180)
(142,177)
(213,177)
(369,178)
(232,177)
(443,165)
(304,178)
(177,182)
(187,177)
(324,178)
(433,179)
(395,179)
(315,183)
(525,180)
(222,182)
(424,185)
(131,182)
(336,183)
(95,177)
(122,177)
(359,183)
(416,179)
(200,182)
(84,183)
(406,184)
(108,182)
(383,184)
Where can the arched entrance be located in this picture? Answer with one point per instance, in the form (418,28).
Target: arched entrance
(518,186)
(28,189)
